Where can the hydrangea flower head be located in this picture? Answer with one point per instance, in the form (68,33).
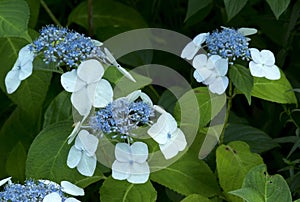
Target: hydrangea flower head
(228,43)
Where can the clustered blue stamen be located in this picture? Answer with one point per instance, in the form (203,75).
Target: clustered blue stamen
(31,191)
(63,46)
(121,117)
(228,43)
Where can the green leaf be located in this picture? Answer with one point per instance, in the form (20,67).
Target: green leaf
(209,104)
(115,191)
(195,198)
(278,6)
(233,7)
(242,80)
(279,91)
(259,186)
(60,109)
(15,165)
(110,18)
(14,17)
(194,6)
(188,175)
(233,163)
(47,157)
(31,93)
(251,136)
(34,6)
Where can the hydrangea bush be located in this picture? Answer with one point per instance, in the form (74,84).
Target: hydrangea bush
(88,107)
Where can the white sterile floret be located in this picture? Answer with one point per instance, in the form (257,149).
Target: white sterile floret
(82,154)
(131,163)
(263,64)
(191,49)
(68,188)
(87,86)
(5,180)
(139,94)
(247,31)
(211,71)
(171,139)
(110,58)
(21,70)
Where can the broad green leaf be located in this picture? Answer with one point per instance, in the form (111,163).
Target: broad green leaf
(19,127)
(34,6)
(298,200)
(195,198)
(233,163)
(14,17)
(60,109)
(233,7)
(110,18)
(209,104)
(194,6)
(242,80)
(31,93)
(278,6)
(259,186)
(188,175)
(15,165)
(115,190)
(47,157)
(257,139)
(279,91)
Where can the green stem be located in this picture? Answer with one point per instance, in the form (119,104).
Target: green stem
(55,20)
(49,70)
(90,18)
(229,105)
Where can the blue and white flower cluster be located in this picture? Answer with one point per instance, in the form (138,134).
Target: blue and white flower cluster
(223,48)
(39,191)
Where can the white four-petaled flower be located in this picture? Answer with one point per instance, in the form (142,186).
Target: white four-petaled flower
(263,64)
(130,163)
(21,70)
(211,71)
(82,153)
(165,132)
(191,49)
(87,86)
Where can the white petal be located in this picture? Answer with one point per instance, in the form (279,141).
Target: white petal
(120,170)
(87,165)
(25,53)
(90,71)
(221,67)
(179,139)
(219,85)
(272,72)
(69,81)
(71,199)
(125,72)
(169,150)
(2,182)
(267,57)
(139,173)
(53,197)
(134,95)
(49,182)
(247,31)
(71,189)
(255,55)
(12,81)
(189,51)
(200,61)
(200,39)
(89,142)
(74,132)
(214,58)
(123,152)
(26,69)
(139,151)
(256,69)
(110,57)
(159,109)
(78,144)
(74,157)
(97,43)
(202,74)
(103,94)
(198,76)
(81,101)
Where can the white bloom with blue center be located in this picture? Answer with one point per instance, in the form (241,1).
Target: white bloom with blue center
(211,71)
(263,64)
(82,154)
(21,70)
(191,49)
(165,132)
(131,163)
(87,86)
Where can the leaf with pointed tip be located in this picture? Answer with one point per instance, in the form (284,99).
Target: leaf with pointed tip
(233,7)
(15,165)
(195,198)
(194,6)
(278,6)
